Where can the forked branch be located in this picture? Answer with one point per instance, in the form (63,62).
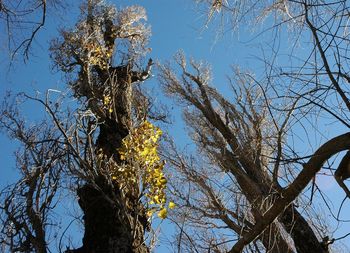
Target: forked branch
(310,169)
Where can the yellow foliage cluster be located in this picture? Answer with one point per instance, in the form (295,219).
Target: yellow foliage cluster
(144,167)
(98,54)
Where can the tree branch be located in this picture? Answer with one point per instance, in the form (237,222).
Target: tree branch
(315,163)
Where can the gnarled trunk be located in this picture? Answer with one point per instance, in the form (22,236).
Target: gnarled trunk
(114,223)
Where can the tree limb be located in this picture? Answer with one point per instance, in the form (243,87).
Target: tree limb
(315,163)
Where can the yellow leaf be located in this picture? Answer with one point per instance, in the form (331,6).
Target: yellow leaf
(163,213)
(154,138)
(172,205)
(149,213)
(163,180)
(106,100)
(156,198)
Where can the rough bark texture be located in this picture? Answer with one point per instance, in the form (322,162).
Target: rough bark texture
(113,221)
(111,226)
(106,229)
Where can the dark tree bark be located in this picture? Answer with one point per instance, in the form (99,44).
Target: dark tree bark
(112,221)
(304,238)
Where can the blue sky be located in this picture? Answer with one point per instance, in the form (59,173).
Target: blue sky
(175,25)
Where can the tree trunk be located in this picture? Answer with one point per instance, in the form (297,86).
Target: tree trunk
(114,223)
(108,226)
(304,238)
(274,242)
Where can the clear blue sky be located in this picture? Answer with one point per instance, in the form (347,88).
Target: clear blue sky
(175,25)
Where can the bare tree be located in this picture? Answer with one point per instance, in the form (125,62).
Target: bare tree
(26,208)
(245,190)
(107,146)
